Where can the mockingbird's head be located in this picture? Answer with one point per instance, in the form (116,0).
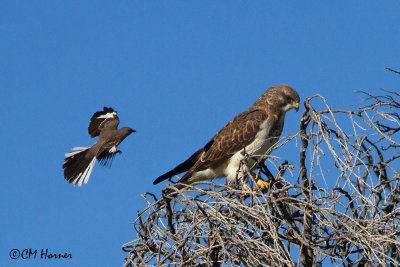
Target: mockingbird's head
(127,130)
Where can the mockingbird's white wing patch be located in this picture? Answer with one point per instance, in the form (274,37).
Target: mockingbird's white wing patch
(105,119)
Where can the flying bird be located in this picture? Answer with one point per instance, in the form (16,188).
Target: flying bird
(252,132)
(78,165)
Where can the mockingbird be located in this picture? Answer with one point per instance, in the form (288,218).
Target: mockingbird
(78,164)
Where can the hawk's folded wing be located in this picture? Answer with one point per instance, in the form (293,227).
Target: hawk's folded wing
(233,137)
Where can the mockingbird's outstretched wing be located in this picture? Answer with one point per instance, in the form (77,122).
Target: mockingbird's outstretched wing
(105,119)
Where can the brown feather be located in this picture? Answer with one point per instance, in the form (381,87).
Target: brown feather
(98,124)
(234,136)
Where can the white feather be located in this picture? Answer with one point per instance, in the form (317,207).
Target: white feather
(76,151)
(90,171)
(79,148)
(108,115)
(84,177)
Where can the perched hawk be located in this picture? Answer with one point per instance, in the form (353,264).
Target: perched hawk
(253,132)
(78,164)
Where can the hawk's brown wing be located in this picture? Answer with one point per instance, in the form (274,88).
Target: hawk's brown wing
(107,118)
(234,136)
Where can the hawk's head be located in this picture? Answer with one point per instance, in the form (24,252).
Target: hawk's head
(280,98)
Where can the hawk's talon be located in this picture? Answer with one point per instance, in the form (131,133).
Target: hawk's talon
(264,185)
(245,187)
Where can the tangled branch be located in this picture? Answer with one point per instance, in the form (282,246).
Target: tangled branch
(344,208)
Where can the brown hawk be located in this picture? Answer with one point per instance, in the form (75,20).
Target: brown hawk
(253,132)
(78,165)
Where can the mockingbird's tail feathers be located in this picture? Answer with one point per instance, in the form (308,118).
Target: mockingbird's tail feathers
(78,165)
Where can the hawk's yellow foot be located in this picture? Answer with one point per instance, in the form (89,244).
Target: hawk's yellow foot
(244,186)
(262,184)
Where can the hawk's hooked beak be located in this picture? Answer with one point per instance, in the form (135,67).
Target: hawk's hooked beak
(296,106)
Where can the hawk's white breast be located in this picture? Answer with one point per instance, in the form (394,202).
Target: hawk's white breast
(264,140)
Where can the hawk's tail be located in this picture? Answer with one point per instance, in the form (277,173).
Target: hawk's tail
(78,165)
(183,167)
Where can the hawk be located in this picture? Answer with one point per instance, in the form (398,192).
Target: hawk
(78,164)
(252,132)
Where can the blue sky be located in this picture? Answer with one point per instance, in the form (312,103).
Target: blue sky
(176,71)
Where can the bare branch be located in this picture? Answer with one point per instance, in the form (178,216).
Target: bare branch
(344,208)
(395,71)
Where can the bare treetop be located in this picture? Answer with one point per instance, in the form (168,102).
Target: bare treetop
(339,205)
